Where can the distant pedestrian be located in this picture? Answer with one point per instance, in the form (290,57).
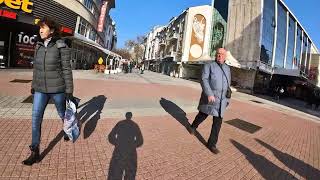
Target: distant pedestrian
(142,68)
(52,79)
(279,92)
(216,93)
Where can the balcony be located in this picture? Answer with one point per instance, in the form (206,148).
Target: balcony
(173,36)
(162,43)
(171,54)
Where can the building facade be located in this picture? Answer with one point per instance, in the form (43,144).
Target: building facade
(182,43)
(269,42)
(79,20)
(152,46)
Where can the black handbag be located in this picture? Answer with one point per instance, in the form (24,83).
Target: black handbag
(229,91)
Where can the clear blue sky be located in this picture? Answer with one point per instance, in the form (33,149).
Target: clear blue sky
(137,17)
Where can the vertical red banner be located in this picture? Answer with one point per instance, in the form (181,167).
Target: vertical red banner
(102,16)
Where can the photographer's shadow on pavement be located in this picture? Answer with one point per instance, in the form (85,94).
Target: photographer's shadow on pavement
(265,168)
(297,165)
(93,109)
(126,137)
(178,113)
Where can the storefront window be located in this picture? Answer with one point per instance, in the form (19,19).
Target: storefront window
(304,55)
(308,57)
(298,48)
(281,36)
(268,32)
(83,27)
(290,49)
(92,35)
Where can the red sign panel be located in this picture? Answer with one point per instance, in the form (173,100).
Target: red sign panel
(8,14)
(102,16)
(66,30)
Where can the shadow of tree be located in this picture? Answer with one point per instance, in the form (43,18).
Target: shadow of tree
(266,168)
(126,137)
(298,166)
(93,108)
(178,113)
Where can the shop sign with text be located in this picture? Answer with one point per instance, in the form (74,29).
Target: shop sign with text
(24,5)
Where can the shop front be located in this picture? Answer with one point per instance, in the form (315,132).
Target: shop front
(18,29)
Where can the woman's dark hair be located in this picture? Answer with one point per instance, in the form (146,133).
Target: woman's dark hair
(52,24)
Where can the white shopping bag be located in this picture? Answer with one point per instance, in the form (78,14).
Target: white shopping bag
(70,125)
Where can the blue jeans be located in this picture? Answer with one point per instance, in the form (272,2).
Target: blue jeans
(40,102)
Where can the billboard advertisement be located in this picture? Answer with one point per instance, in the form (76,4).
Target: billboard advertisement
(197,37)
(25,46)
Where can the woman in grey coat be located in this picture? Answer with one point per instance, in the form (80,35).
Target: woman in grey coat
(214,99)
(52,78)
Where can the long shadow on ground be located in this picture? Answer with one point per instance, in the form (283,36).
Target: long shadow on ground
(178,113)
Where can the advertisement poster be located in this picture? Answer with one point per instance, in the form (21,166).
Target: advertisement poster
(25,46)
(197,37)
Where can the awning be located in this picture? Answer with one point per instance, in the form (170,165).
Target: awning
(94,44)
(287,72)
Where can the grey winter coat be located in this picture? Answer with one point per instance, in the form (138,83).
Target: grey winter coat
(51,68)
(214,83)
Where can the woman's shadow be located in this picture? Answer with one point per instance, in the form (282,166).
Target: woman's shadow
(93,109)
(126,137)
(178,113)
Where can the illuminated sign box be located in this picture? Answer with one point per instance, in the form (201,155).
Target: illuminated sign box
(23,5)
(8,14)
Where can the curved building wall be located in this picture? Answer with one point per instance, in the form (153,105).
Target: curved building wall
(80,9)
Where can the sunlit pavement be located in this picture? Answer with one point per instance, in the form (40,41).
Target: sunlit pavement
(271,142)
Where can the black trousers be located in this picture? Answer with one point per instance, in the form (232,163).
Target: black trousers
(216,126)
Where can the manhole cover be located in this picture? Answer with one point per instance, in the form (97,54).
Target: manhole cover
(259,102)
(244,125)
(20,81)
(30,100)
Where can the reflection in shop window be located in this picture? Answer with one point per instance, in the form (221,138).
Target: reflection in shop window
(298,48)
(281,36)
(290,49)
(267,32)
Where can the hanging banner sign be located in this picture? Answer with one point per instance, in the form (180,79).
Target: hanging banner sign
(102,16)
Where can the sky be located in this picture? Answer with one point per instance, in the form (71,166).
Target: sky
(137,17)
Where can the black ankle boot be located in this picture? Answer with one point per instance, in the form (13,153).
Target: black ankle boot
(34,157)
(65,136)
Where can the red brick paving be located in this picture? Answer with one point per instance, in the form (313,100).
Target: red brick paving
(287,146)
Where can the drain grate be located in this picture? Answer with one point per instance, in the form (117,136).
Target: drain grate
(259,102)
(29,99)
(244,125)
(20,81)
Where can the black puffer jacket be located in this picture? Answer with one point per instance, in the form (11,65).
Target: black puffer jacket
(51,68)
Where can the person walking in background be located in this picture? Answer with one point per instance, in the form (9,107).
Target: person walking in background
(215,96)
(52,78)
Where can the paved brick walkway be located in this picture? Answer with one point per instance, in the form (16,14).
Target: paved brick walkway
(286,147)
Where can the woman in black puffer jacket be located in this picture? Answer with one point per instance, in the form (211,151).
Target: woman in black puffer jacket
(52,78)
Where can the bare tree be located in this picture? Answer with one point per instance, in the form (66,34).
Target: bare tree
(136,48)
(124,53)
